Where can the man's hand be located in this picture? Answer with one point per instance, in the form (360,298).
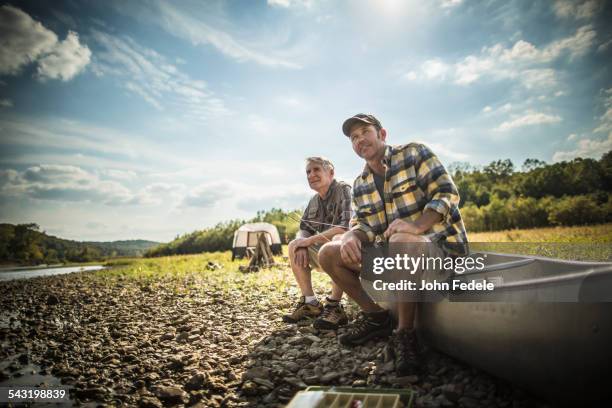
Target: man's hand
(350,249)
(300,257)
(403,226)
(302,242)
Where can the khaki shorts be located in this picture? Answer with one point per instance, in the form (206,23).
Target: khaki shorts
(313,256)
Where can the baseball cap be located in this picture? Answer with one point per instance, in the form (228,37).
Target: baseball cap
(360,117)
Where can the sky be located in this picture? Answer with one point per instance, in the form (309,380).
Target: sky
(150,119)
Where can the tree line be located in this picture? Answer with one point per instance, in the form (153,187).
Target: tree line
(25,244)
(498,197)
(220,237)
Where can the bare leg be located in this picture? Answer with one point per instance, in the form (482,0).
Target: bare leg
(336,292)
(406,311)
(302,275)
(345,276)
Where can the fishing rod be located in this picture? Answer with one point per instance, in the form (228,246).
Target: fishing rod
(379,239)
(317,222)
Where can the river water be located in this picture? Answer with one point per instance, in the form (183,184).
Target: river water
(33,273)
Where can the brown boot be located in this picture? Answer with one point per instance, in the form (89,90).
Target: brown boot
(303,311)
(332,318)
(406,352)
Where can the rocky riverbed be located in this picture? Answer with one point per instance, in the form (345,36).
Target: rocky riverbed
(150,337)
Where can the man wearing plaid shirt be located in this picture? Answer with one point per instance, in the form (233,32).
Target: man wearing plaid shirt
(403,195)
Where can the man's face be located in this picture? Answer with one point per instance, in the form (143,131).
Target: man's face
(367,142)
(319,178)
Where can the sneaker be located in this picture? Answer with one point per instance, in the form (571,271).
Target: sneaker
(333,316)
(405,348)
(303,311)
(366,327)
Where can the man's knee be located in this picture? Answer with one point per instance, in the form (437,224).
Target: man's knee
(410,244)
(407,237)
(328,255)
(291,248)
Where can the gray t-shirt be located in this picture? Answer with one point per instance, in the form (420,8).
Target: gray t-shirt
(333,209)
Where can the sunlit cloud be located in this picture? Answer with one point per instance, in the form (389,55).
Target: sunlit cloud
(523,62)
(528,119)
(25,41)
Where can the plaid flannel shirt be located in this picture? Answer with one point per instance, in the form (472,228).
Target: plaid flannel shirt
(415,180)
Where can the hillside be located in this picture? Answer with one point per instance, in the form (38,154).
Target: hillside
(25,244)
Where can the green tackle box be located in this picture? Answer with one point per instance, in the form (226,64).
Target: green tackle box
(348,397)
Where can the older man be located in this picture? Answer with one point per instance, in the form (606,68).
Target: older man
(326,216)
(403,195)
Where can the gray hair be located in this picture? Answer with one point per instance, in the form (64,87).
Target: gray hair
(324,162)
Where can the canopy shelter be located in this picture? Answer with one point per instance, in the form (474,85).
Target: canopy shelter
(246,237)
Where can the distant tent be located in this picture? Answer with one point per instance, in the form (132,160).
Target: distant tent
(246,237)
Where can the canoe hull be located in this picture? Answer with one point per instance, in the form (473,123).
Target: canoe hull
(547,327)
(561,351)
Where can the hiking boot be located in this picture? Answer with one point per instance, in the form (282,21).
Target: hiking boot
(333,316)
(405,348)
(303,311)
(366,327)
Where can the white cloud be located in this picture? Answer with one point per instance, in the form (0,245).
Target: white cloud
(472,68)
(6,103)
(25,41)
(207,195)
(604,46)
(593,146)
(290,3)
(522,62)
(450,3)
(65,60)
(605,120)
(201,27)
(151,76)
(69,183)
(83,144)
(538,78)
(411,76)
(577,9)
(63,183)
(434,69)
(528,119)
(586,148)
(497,110)
(119,174)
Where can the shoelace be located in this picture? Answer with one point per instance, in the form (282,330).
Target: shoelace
(327,311)
(405,347)
(298,304)
(360,324)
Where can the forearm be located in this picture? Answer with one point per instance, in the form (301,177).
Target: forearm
(327,235)
(360,235)
(427,220)
(302,234)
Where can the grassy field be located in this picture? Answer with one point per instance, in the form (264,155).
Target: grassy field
(581,234)
(555,242)
(581,243)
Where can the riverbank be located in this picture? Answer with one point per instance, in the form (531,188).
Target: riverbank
(179,330)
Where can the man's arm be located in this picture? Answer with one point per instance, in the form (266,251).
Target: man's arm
(360,231)
(432,177)
(441,192)
(422,224)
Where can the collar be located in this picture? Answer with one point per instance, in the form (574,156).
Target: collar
(386,161)
(329,190)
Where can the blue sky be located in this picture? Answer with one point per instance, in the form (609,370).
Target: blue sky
(151,119)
